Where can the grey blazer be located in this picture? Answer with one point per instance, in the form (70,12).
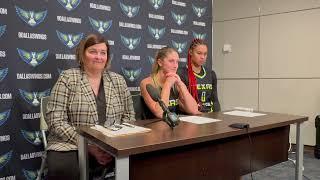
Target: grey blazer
(72,104)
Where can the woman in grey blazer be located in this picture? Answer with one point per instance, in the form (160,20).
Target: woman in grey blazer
(88,95)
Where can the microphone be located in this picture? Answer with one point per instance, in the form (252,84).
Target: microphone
(170,118)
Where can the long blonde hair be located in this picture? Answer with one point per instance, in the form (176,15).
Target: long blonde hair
(160,55)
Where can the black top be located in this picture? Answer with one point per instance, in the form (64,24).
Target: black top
(206,86)
(173,105)
(101,104)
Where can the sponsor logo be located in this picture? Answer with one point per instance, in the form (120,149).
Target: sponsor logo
(5,96)
(2,29)
(204,86)
(26,35)
(197,23)
(2,54)
(32,18)
(178,31)
(66,56)
(130,25)
(179,18)
(100,7)
(33,76)
(199,35)
(33,58)
(4,116)
(155,46)
(60,71)
(178,3)
(4,138)
(130,11)
(110,42)
(183,60)
(3,11)
(5,158)
(31,155)
(111,57)
(131,74)
(198,10)
(30,175)
(69,19)
(173,102)
(3,73)
(100,26)
(33,98)
(156,4)
(69,40)
(130,43)
(156,33)
(33,137)
(69,4)
(130,57)
(179,46)
(8,178)
(156,16)
(31,116)
(150,59)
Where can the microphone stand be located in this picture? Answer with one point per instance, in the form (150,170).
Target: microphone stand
(170,118)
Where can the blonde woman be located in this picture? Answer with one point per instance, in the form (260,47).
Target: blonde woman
(173,92)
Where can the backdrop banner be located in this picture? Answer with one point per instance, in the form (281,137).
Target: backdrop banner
(38,40)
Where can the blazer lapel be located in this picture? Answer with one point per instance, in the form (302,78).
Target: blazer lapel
(87,90)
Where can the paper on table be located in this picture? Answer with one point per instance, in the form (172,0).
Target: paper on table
(244,113)
(198,119)
(125,130)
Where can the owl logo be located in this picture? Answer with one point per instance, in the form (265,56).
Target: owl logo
(33,98)
(131,74)
(150,59)
(156,33)
(199,35)
(33,58)
(156,4)
(33,137)
(179,18)
(130,11)
(70,4)
(5,158)
(30,175)
(2,29)
(32,18)
(179,46)
(100,26)
(3,73)
(59,71)
(198,10)
(69,40)
(130,43)
(4,116)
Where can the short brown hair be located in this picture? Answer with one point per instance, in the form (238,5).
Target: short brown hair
(91,40)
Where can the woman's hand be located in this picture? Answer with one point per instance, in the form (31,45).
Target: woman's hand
(172,78)
(101,156)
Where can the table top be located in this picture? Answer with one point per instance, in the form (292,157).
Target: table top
(163,137)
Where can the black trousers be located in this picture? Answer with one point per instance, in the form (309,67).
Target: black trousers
(64,165)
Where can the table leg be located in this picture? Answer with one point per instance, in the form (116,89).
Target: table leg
(122,168)
(299,153)
(83,158)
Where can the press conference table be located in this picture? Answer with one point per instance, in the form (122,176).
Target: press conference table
(191,151)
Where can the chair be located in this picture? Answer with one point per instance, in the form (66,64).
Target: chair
(43,128)
(140,108)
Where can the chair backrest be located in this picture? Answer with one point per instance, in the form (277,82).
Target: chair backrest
(140,108)
(43,109)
